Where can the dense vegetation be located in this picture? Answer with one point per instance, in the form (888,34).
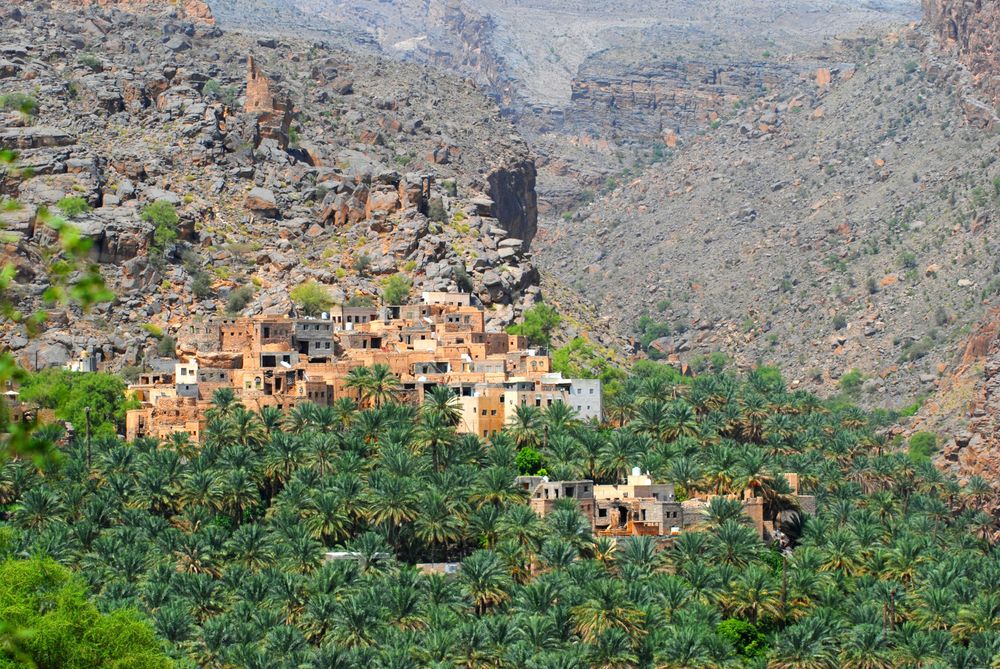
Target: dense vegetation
(46,621)
(222,545)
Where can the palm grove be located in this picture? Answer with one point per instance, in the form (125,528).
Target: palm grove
(221,546)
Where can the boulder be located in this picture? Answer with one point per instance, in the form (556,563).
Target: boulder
(262,201)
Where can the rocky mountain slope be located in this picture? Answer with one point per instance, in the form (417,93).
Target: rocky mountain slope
(591,84)
(841,223)
(286,160)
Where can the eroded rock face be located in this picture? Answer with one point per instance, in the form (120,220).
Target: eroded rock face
(515,202)
(272,108)
(972,28)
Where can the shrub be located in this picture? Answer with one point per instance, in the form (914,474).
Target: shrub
(941,316)
(851,381)
(922,445)
(361,263)
(73,206)
(649,330)
(19,102)
(164,218)
(360,300)
(839,322)
(91,62)
(718,360)
(166,347)
(239,299)
(201,285)
(529,462)
(152,329)
(436,211)
(211,89)
(537,325)
(908,260)
(396,288)
(462,279)
(745,638)
(53,624)
(311,298)
(70,393)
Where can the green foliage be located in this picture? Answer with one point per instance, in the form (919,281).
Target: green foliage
(839,322)
(69,393)
(396,289)
(71,280)
(166,347)
(851,381)
(26,105)
(163,216)
(91,62)
(529,462)
(361,263)
(58,627)
(922,446)
(649,330)
(436,211)
(201,285)
(312,298)
(360,300)
(581,359)
(238,299)
(462,278)
(211,89)
(746,639)
(153,329)
(537,324)
(223,544)
(73,206)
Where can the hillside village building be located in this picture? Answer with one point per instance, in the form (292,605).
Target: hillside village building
(281,362)
(641,507)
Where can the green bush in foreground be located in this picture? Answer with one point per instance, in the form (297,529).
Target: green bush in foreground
(46,622)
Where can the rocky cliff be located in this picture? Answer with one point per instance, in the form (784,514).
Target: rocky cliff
(644,100)
(285,160)
(970,28)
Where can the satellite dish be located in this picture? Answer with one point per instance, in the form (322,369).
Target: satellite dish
(636,471)
(285,365)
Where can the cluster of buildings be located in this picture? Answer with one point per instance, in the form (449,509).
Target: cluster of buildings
(283,361)
(641,507)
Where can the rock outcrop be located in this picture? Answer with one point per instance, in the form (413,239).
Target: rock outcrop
(645,100)
(972,29)
(515,202)
(271,107)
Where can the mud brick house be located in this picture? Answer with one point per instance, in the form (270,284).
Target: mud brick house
(283,361)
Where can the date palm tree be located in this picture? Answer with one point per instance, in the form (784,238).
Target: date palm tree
(485,581)
(605,607)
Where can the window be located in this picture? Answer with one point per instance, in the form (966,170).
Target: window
(493,412)
(602,513)
(484,412)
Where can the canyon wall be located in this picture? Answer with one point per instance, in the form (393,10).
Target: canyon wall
(649,98)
